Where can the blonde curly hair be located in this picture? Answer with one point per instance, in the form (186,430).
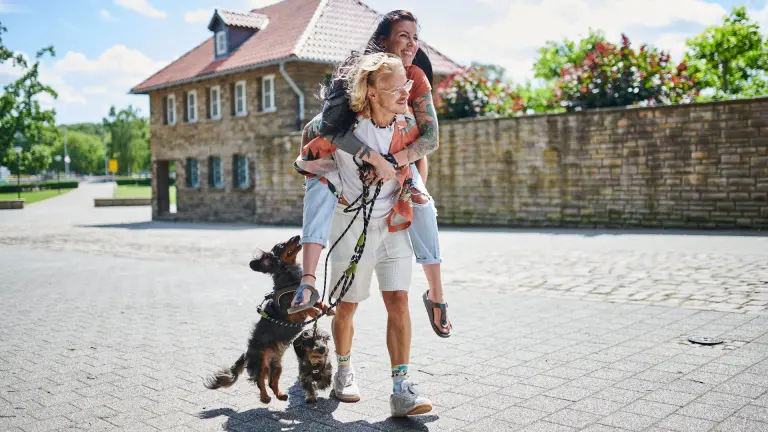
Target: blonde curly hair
(365,74)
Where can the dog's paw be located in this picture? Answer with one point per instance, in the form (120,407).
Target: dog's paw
(282,397)
(311,399)
(265,399)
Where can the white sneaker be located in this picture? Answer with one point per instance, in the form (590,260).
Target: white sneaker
(344,386)
(408,400)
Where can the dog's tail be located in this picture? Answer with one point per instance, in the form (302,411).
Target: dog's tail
(226,377)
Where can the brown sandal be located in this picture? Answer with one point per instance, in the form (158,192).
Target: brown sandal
(430,305)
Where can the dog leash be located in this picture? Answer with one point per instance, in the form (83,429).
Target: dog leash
(349,274)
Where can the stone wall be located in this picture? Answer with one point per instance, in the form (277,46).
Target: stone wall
(694,166)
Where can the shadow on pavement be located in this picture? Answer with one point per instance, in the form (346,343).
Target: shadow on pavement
(300,416)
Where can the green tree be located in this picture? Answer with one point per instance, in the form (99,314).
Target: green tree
(85,151)
(37,159)
(128,139)
(731,58)
(554,56)
(20,111)
(613,76)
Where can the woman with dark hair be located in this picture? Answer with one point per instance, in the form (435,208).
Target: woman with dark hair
(396,33)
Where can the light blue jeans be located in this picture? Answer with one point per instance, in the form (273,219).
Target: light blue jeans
(319,204)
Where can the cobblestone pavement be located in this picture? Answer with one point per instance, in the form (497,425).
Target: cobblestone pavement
(110,322)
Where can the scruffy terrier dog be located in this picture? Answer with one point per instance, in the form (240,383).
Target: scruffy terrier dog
(270,339)
(315,369)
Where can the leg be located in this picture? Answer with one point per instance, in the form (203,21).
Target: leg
(263,376)
(394,273)
(342,326)
(276,369)
(426,247)
(319,203)
(398,326)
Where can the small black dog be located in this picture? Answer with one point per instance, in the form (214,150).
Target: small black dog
(315,368)
(269,339)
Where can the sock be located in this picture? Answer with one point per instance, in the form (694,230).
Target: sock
(399,374)
(344,361)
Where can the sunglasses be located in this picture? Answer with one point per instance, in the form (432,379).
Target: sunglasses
(406,88)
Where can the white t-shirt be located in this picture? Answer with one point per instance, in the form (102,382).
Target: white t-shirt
(380,140)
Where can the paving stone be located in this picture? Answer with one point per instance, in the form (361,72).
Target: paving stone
(707,412)
(738,424)
(180,303)
(573,418)
(629,421)
(681,423)
(650,408)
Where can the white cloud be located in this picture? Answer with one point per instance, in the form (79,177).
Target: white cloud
(119,65)
(87,87)
(673,43)
(11,7)
(141,6)
(523,26)
(106,15)
(257,4)
(198,16)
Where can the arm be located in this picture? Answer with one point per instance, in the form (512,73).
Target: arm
(428,141)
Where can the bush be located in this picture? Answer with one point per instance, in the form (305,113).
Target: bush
(613,76)
(30,187)
(123,181)
(469,93)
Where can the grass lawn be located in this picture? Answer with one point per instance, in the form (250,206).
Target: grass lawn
(135,191)
(31,197)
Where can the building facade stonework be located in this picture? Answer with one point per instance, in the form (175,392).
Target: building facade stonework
(688,166)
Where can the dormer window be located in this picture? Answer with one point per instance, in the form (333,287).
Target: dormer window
(231,29)
(221,43)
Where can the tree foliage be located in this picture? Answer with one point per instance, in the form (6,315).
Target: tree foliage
(612,76)
(128,137)
(731,58)
(20,110)
(470,93)
(556,55)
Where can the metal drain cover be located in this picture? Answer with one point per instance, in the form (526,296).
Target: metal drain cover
(705,340)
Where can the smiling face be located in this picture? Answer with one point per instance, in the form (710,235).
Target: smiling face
(391,92)
(403,40)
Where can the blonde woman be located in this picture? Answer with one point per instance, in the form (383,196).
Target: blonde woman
(378,91)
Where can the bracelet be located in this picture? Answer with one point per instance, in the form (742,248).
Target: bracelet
(389,157)
(307,274)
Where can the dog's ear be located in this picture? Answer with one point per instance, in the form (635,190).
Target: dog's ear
(266,263)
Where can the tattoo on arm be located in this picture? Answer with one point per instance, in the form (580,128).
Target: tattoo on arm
(364,153)
(426,120)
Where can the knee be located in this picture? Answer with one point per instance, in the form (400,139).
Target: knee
(345,312)
(397,303)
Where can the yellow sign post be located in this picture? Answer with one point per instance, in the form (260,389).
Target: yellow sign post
(113,165)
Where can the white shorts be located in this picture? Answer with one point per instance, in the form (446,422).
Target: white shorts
(389,254)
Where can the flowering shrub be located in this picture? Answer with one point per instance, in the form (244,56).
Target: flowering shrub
(469,93)
(613,75)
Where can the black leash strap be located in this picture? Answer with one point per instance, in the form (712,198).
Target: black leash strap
(366,206)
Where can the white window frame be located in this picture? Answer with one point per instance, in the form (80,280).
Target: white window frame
(268,100)
(171,110)
(192,106)
(221,42)
(244,111)
(215,102)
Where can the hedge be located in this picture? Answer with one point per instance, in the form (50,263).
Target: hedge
(121,181)
(29,187)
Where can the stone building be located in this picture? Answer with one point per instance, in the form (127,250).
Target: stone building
(226,112)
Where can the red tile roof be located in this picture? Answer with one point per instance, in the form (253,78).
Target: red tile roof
(311,30)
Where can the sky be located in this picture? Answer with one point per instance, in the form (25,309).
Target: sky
(105,47)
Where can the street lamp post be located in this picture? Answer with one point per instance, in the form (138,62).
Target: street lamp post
(18,151)
(58,174)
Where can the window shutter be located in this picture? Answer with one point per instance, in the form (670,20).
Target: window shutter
(165,110)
